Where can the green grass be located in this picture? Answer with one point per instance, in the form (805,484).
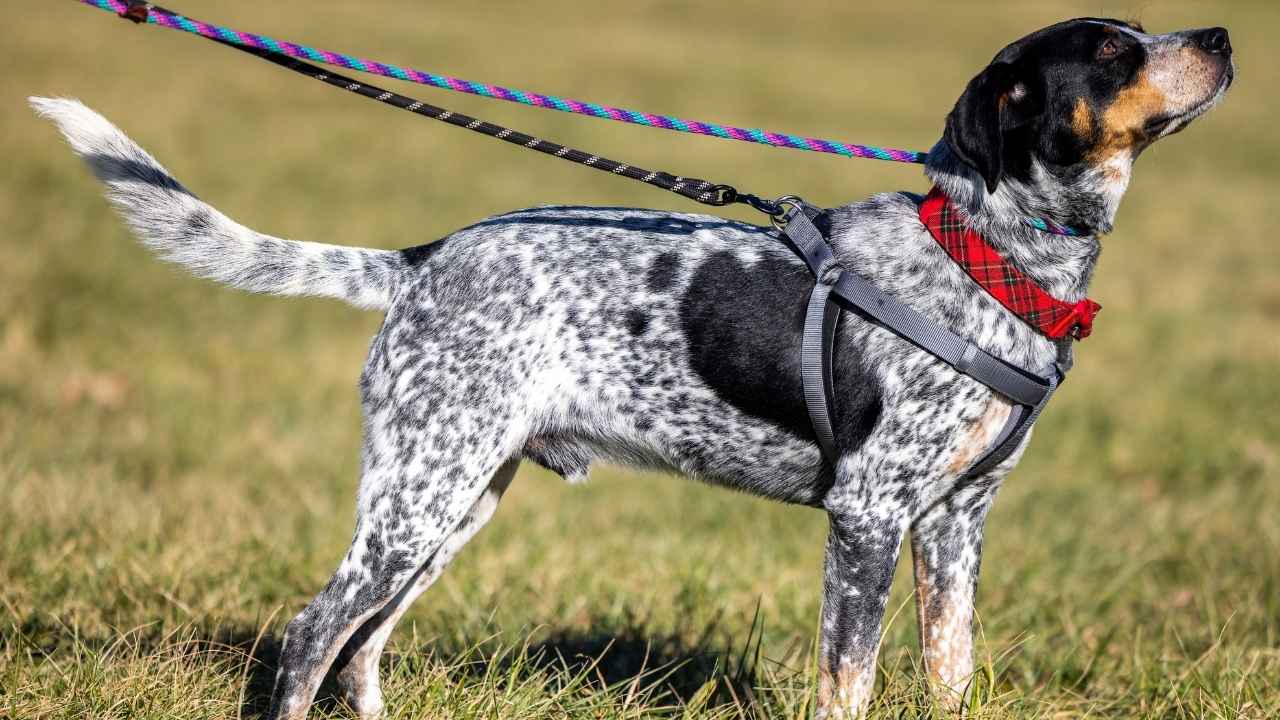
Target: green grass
(178,461)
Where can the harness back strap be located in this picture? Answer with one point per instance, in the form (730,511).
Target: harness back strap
(1029,392)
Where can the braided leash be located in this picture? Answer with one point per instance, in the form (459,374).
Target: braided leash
(291,56)
(141,12)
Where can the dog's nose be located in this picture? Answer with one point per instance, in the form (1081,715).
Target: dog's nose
(1215,41)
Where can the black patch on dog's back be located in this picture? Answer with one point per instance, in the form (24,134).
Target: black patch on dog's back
(663,272)
(743,328)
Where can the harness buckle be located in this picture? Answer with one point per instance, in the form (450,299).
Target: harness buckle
(136,12)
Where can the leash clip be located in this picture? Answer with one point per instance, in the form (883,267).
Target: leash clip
(722,195)
(136,12)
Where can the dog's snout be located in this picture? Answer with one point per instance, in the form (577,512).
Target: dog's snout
(1215,41)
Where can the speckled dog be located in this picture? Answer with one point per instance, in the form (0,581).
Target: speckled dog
(670,341)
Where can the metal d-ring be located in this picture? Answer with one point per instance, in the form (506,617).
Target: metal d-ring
(779,219)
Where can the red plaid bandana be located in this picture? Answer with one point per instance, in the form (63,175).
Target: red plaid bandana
(1052,317)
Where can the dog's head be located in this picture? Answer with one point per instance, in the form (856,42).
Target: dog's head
(1068,108)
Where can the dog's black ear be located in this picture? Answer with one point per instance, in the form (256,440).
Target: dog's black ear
(995,101)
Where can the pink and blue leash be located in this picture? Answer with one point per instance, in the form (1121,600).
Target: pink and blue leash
(267,46)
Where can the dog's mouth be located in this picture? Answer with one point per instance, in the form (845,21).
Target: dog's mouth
(1165,125)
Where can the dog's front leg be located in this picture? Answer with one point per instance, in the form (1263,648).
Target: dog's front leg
(862,551)
(946,548)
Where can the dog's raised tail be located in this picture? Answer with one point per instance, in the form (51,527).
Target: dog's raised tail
(183,229)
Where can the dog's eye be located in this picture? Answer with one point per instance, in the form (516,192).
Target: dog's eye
(1109,49)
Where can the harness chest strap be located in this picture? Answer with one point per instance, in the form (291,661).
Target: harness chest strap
(1029,392)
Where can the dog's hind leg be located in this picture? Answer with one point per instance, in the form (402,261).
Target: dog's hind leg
(357,664)
(424,471)
(946,548)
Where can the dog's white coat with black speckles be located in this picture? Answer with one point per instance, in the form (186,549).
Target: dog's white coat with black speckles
(671,341)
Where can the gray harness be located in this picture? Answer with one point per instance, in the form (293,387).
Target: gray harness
(1028,391)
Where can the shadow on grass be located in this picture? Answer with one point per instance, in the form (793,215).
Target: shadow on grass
(666,668)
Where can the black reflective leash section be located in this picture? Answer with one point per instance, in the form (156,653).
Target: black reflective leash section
(702,191)
(1029,393)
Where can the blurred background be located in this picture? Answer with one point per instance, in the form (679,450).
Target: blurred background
(178,460)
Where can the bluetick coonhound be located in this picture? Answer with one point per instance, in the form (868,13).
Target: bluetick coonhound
(671,341)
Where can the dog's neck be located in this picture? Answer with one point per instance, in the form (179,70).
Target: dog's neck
(1062,265)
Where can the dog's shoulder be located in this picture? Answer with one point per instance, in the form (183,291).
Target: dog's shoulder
(875,235)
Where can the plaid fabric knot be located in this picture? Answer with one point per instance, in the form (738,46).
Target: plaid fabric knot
(1078,322)
(1052,317)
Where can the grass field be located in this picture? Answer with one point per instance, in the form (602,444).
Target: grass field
(178,461)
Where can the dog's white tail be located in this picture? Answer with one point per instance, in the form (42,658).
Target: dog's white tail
(183,229)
